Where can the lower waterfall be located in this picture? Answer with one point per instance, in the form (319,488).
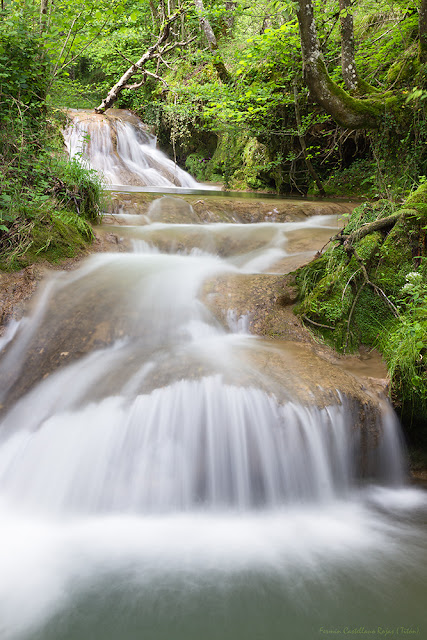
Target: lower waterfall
(163,476)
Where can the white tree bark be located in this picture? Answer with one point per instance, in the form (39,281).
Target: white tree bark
(348,63)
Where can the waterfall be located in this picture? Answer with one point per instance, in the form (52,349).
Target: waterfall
(164,409)
(164,474)
(122,150)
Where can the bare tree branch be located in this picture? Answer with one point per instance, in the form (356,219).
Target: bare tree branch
(170,47)
(150,75)
(70,30)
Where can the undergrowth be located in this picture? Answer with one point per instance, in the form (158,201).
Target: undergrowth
(46,201)
(373,291)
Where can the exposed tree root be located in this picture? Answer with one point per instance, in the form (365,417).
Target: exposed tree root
(371,227)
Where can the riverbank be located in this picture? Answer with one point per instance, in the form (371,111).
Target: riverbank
(369,287)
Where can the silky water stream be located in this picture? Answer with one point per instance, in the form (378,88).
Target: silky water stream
(164,476)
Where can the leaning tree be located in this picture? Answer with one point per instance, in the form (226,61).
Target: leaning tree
(359,106)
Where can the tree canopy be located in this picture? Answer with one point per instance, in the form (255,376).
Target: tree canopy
(250,93)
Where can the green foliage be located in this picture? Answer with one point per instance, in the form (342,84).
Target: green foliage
(44,199)
(196,164)
(359,179)
(337,301)
(405,349)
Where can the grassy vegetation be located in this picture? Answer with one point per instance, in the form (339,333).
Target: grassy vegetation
(46,202)
(373,291)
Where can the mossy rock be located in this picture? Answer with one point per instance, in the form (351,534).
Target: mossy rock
(244,163)
(404,69)
(227,158)
(368,212)
(371,317)
(418,200)
(417,196)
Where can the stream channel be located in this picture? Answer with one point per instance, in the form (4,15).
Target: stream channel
(166,474)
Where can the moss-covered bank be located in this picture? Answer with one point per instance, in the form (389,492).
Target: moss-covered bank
(46,201)
(51,221)
(370,287)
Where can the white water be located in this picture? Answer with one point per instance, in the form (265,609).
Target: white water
(122,151)
(161,485)
(252,248)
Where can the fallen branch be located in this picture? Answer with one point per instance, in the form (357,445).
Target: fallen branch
(146,74)
(371,227)
(170,47)
(137,67)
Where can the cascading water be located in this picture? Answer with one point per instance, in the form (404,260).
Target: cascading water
(162,477)
(120,148)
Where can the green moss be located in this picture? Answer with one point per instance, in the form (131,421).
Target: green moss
(54,240)
(368,212)
(395,260)
(417,201)
(327,295)
(241,161)
(347,311)
(256,159)
(358,179)
(370,319)
(417,196)
(197,165)
(226,160)
(404,68)
(48,234)
(361,112)
(368,247)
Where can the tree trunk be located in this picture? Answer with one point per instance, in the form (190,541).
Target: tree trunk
(348,64)
(154,14)
(212,42)
(422,30)
(349,112)
(44,4)
(229,17)
(301,138)
(206,25)
(266,23)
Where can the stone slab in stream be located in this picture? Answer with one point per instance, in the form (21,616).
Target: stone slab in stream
(214,208)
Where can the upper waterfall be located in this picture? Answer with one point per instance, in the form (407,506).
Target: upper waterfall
(120,147)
